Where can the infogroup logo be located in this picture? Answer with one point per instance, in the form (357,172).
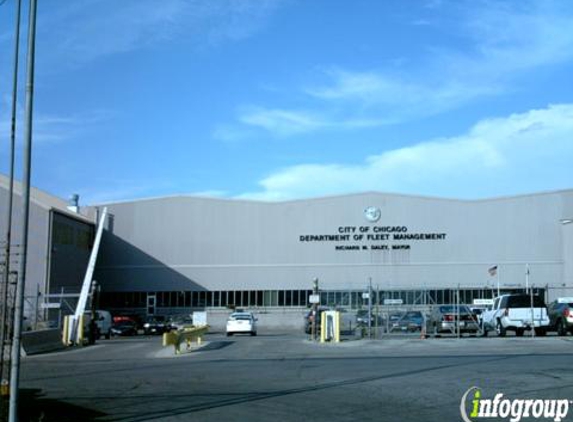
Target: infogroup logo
(514,409)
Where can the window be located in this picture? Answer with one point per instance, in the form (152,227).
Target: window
(296,298)
(288,298)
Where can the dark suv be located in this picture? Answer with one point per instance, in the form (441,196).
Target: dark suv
(561,315)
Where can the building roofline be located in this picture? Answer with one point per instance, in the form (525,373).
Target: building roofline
(43,199)
(337,196)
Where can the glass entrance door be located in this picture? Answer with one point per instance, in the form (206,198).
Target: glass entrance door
(151,301)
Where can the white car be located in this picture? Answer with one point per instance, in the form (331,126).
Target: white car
(242,322)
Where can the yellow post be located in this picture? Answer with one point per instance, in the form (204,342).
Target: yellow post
(337,328)
(81,331)
(322,327)
(5,388)
(65,331)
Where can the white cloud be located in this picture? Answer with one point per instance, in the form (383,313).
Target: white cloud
(501,41)
(284,123)
(49,129)
(495,157)
(91,29)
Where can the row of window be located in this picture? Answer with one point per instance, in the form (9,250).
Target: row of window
(292,298)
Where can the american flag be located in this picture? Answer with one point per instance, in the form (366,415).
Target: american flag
(492,271)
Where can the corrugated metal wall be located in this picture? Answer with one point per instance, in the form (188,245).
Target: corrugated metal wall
(186,243)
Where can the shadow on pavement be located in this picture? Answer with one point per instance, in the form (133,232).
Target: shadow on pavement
(215,345)
(33,408)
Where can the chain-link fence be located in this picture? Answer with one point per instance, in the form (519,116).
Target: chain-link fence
(453,312)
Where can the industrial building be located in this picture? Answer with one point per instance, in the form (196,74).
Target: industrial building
(165,255)
(177,254)
(59,246)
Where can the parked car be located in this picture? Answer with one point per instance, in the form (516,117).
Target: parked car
(179,322)
(410,321)
(309,318)
(136,319)
(517,312)
(444,319)
(477,312)
(155,325)
(561,315)
(362,318)
(124,328)
(242,323)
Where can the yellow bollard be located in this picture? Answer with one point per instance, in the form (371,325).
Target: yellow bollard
(4,388)
(323,327)
(81,331)
(337,328)
(66,332)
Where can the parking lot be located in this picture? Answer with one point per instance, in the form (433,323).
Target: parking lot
(284,376)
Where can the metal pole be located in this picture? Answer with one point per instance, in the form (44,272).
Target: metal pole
(6,277)
(314,309)
(532,314)
(377,309)
(370,307)
(37,307)
(27,166)
(458,312)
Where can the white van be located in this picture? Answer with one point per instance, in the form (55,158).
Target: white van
(103,322)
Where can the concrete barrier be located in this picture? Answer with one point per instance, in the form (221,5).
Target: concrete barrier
(41,341)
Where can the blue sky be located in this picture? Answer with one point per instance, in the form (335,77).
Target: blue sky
(285,99)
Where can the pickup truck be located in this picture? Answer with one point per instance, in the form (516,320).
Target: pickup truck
(515,313)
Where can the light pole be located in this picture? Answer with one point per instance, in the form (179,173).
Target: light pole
(27,166)
(4,340)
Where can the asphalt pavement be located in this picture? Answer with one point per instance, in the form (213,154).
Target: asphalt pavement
(285,377)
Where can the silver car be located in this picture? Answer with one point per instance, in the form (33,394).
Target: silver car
(444,320)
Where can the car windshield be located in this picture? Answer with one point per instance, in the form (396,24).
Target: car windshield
(454,309)
(243,317)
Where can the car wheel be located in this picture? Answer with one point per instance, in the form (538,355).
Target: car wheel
(540,332)
(519,332)
(436,333)
(253,333)
(108,335)
(229,334)
(561,328)
(501,331)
